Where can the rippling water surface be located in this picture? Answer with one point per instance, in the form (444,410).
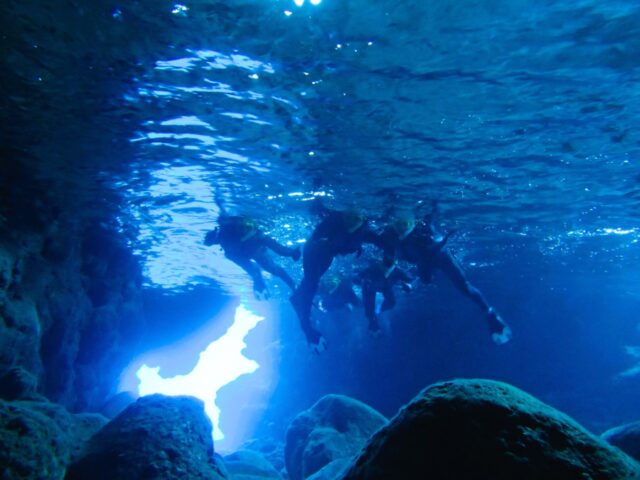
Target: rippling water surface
(520,117)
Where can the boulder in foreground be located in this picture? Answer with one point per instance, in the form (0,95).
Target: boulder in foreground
(335,427)
(157,437)
(39,439)
(480,429)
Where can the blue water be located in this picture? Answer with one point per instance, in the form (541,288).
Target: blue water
(519,117)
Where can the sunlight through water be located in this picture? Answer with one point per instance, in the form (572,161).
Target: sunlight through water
(207,377)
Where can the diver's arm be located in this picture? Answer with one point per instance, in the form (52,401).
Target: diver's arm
(276,247)
(220,204)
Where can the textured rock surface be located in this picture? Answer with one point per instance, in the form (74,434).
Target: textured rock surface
(70,308)
(479,429)
(156,437)
(39,439)
(626,438)
(249,465)
(335,427)
(333,470)
(18,384)
(272,450)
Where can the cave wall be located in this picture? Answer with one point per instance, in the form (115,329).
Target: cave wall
(70,294)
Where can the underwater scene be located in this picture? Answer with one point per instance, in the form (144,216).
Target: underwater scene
(320,239)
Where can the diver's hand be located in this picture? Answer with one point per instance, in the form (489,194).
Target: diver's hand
(320,306)
(319,347)
(261,293)
(500,332)
(316,341)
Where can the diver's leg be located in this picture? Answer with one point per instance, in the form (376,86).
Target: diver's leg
(252,269)
(280,249)
(500,331)
(454,271)
(267,263)
(369,303)
(317,259)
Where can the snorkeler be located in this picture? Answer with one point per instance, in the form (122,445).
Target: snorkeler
(245,245)
(339,233)
(418,243)
(335,293)
(381,278)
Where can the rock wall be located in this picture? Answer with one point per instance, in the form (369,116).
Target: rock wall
(156,437)
(70,300)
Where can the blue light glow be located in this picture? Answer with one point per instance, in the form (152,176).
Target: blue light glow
(219,364)
(179,9)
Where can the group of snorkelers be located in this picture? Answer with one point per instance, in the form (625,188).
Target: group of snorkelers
(407,238)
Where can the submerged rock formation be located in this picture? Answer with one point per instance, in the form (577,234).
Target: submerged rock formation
(479,429)
(250,465)
(70,299)
(39,439)
(626,438)
(156,437)
(336,427)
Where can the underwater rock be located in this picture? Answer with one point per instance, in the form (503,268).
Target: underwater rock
(69,315)
(32,446)
(18,384)
(249,465)
(117,403)
(156,437)
(626,438)
(19,335)
(478,429)
(271,449)
(335,427)
(7,262)
(333,470)
(39,439)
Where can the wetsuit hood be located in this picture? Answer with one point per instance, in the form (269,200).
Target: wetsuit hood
(403,224)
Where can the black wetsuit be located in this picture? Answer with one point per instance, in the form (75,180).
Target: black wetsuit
(422,250)
(329,239)
(342,296)
(251,253)
(373,280)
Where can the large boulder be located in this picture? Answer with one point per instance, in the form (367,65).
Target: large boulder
(250,465)
(32,445)
(39,439)
(626,438)
(155,437)
(479,429)
(335,427)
